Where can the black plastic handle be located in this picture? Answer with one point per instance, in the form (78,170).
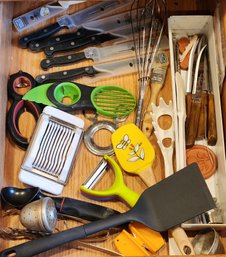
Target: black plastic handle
(62,60)
(40,34)
(81,209)
(76,44)
(37,46)
(66,74)
(46,243)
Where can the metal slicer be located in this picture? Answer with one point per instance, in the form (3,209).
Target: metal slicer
(52,150)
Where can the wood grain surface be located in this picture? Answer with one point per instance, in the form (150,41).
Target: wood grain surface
(23,59)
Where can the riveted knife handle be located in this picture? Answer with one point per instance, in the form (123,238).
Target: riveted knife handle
(192,122)
(40,34)
(37,46)
(76,44)
(62,60)
(212,129)
(66,75)
(67,46)
(202,127)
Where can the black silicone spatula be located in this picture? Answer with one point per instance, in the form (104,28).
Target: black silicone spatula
(168,203)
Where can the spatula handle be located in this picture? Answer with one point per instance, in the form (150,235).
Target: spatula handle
(148,176)
(182,241)
(46,243)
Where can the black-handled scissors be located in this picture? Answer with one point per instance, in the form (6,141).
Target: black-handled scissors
(18,82)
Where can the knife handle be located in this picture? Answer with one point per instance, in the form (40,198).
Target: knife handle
(212,129)
(37,46)
(66,74)
(193,121)
(202,126)
(70,45)
(61,60)
(40,34)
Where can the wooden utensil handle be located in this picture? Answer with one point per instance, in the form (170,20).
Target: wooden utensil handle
(202,126)
(182,241)
(148,176)
(192,122)
(212,129)
(147,126)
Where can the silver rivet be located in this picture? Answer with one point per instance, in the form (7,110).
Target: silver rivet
(65,73)
(37,44)
(51,48)
(58,39)
(72,43)
(26,38)
(69,57)
(43,76)
(45,30)
(47,61)
(86,69)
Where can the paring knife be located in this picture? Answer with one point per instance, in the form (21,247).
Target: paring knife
(97,54)
(109,69)
(119,25)
(42,13)
(74,21)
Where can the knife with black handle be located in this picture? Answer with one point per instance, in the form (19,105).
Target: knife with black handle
(77,44)
(66,75)
(62,60)
(39,45)
(74,21)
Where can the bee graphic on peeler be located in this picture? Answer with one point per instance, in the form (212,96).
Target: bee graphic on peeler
(124,142)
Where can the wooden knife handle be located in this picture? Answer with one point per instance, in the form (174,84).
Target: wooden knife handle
(192,122)
(147,126)
(202,126)
(212,129)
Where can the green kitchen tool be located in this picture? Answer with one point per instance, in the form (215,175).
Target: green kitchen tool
(110,101)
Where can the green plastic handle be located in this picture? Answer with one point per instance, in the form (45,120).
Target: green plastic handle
(118,188)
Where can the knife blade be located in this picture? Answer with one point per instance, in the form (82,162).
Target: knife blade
(119,25)
(110,69)
(74,21)
(40,14)
(96,54)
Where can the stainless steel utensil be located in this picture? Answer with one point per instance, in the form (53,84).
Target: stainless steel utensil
(40,215)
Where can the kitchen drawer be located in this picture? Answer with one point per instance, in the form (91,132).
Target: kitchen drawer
(15,59)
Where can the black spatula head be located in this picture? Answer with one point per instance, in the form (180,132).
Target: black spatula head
(174,200)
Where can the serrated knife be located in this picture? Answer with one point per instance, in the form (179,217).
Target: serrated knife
(75,20)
